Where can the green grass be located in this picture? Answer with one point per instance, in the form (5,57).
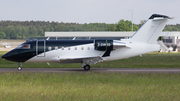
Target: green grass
(89,86)
(151,60)
(93,86)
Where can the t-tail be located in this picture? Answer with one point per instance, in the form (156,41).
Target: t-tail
(150,31)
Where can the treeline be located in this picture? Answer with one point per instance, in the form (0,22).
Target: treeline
(172,27)
(23,29)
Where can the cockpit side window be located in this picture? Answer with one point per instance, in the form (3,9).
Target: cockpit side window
(24,46)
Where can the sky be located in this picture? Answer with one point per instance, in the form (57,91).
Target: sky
(88,11)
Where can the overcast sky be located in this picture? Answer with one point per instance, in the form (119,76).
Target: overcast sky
(88,11)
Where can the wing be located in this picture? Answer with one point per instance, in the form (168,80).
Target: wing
(84,60)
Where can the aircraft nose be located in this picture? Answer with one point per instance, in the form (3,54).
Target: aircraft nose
(4,56)
(14,56)
(8,56)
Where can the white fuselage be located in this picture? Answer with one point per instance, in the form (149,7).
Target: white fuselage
(87,50)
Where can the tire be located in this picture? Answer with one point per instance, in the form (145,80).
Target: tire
(19,68)
(87,67)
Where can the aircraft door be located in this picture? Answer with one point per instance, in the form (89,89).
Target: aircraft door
(40,48)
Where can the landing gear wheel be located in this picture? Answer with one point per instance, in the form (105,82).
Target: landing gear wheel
(86,67)
(19,68)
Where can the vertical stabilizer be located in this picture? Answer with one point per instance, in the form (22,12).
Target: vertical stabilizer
(150,31)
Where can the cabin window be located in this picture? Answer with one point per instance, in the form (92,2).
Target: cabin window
(49,48)
(88,48)
(69,48)
(75,48)
(24,46)
(82,48)
(62,48)
(56,48)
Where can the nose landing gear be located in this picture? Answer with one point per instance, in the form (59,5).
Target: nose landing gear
(19,66)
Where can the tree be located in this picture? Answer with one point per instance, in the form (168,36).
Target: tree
(141,23)
(61,27)
(125,26)
(112,27)
(9,30)
(2,35)
(33,32)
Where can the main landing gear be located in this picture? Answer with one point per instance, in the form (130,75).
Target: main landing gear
(86,67)
(19,66)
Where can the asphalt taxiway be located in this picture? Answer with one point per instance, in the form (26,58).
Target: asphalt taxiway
(117,70)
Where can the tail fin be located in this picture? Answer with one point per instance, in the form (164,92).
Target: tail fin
(150,31)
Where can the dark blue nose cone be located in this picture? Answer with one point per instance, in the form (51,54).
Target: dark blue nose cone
(18,55)
(4,56)
(10,56)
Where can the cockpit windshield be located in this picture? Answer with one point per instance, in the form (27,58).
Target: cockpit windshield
(24,46)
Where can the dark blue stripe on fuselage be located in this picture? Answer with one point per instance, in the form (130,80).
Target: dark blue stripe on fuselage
(22,55)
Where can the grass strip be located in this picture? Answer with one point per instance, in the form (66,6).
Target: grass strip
(89,86)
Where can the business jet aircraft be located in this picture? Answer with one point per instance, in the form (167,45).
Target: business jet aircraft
(90,52)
